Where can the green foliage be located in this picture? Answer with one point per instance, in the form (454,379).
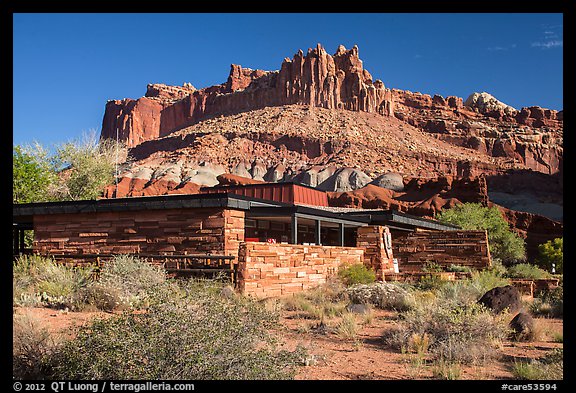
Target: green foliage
(77,170)
(485,280)
(356,274)
(32,174)
(87,167)
(458,269)
(528,271)
(504,244)
(551,253)
(189,332)
(549,303)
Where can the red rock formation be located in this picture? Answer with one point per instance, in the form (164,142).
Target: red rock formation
(531,136)
(132,187)
(228,179)
(316,79)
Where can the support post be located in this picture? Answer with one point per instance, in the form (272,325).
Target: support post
(318,228)
(22,244)
(341,234)
(294,230)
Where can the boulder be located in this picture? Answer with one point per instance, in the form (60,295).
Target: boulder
(501,298)
(523,327)
(392,181)
(345,179)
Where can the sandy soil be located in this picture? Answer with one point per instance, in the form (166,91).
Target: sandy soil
(334,358)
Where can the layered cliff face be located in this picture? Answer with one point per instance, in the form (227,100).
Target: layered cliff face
(315,79)
(531,137)
(321,120)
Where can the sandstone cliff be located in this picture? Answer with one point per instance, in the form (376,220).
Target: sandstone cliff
(315,79)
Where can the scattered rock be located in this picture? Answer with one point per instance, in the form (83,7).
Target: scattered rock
(358,308)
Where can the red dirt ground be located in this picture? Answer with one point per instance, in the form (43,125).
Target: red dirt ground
(334,358)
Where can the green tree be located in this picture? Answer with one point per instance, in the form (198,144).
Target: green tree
(86,167)
(32,174)
(551,253)
(504,244)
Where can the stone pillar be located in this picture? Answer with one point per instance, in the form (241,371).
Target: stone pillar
(233,231)
(376,241)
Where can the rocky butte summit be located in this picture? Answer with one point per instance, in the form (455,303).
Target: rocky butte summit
(316,79)
(322,120)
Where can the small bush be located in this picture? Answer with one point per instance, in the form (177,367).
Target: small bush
(32,347)
(549,303)
(327,300)
(347,328)
(445,370)
(188,332)
(432,267)
(430,282)
(356,274)
(550,367)
(458,269)
(485,280)
(527,271)
(464,334)
(126,282)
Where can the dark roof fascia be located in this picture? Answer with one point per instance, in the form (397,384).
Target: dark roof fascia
(223,200)
(394,216)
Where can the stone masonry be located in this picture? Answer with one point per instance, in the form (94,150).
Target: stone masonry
(267,270)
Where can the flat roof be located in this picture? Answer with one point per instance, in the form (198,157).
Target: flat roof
(175,201)
(23,213)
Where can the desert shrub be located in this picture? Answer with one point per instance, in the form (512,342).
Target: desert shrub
(32,347)
(485,280)
(356,274)
(347,327)
(189,331)
(430,282)
(445,370)
(463,334)
(551,254)
(39,280)
(383,295)
(126,282)
(528,271)
(432,267)
(549,303)
(550,367)
(458,268)
(327,300)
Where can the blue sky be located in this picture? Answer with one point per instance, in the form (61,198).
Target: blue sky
(66,66)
